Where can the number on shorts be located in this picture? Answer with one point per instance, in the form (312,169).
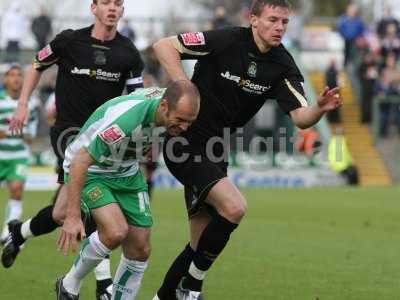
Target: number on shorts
(143,201)
(21,170)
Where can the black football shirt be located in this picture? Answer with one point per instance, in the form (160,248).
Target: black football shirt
(90,72)
(235,79)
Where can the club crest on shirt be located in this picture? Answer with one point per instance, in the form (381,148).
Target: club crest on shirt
(45,53)
(100,58)
(252,70)
(112,134)
(193,39)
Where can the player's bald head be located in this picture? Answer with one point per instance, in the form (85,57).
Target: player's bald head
(182,90)
(258,5)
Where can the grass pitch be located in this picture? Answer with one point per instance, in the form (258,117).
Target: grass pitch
(293,245)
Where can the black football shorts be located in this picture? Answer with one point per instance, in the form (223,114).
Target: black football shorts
(195,169)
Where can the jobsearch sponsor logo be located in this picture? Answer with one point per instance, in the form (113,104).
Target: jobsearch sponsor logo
(246,84)
(98,74)
(80,71)
(193,39)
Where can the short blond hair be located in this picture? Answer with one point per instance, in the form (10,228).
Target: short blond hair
(258,5)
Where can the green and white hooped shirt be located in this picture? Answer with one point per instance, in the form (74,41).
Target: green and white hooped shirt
(117,132)
(14,147)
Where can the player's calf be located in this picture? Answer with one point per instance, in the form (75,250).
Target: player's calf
(92,252)
(140,252)
(128,278)
(136,251)
(13,209)
(60,205)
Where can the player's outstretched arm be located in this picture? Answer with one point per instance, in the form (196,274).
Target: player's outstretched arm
(73,228)
(305,117)
(21,114)
(169,58)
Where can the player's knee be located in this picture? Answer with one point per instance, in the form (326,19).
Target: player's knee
(58,215)
(16,192)
(113,237)
(235,212)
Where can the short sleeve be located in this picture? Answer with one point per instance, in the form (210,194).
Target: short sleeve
(51,53)
(100,146)
(194,45)
(290,91)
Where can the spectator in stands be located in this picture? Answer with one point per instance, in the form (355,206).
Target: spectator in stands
(12,30)
(295,29)
(387,20)
(388,85)
(244,15)
(368,74)
(208,25)
(41,28)
(127,31)
(351,28)
(331,80)
(390,42)
(340,159)
(220,19)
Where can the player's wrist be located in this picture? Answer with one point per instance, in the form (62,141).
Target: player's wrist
(22,103)
(320,109)
(73,215)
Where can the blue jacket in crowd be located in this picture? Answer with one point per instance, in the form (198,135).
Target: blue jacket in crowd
(350,28)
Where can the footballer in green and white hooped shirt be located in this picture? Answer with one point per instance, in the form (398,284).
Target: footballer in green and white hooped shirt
(14,150)
(104,178)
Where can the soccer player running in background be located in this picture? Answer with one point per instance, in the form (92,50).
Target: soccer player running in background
(94,65)
(102,169)
(14,150)
(238,69)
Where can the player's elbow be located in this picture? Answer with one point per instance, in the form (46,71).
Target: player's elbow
(82,159)
(298,118)
(301,125)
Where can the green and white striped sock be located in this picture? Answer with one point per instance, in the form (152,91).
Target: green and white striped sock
(92,252)
(128,279)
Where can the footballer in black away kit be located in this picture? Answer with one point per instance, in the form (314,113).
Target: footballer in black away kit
(94,65)
(238,69)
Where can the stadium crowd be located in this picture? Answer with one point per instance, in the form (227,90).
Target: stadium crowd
(372,56)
